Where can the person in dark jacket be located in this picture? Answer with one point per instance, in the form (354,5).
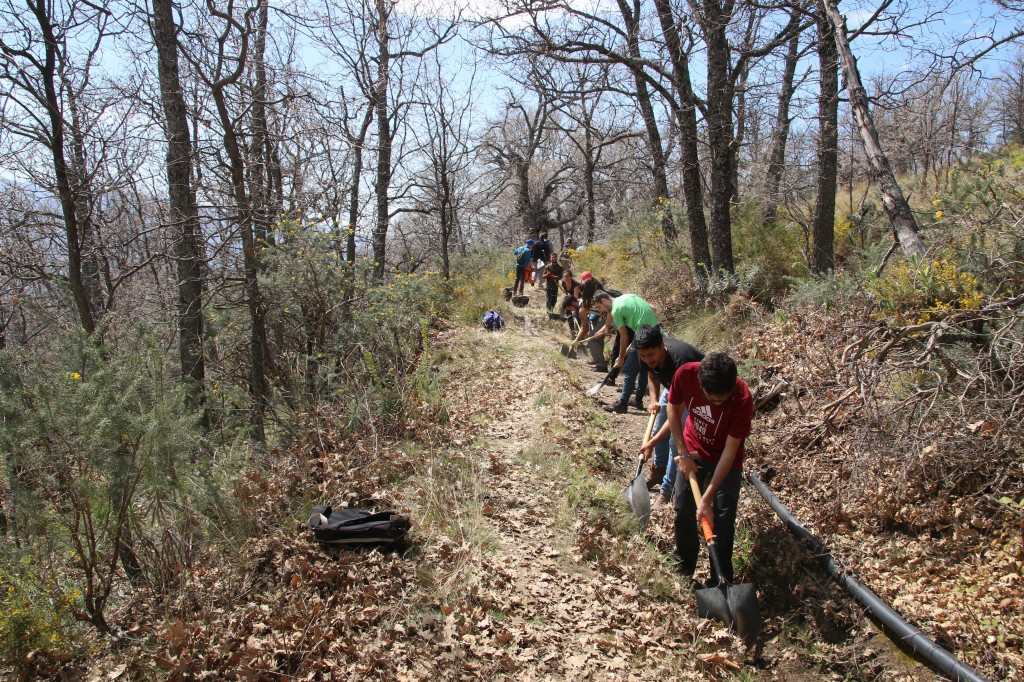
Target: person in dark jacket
(542,250)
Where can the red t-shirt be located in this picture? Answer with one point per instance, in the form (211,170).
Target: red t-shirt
(708,425)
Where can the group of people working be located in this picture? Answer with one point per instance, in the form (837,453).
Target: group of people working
(704,409)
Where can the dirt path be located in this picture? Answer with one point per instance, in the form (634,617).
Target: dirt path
(525,564)
(561,586)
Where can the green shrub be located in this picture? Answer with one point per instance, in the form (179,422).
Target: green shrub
(918,290)
(35,612)
(767,255)
(478,282)
(94,441)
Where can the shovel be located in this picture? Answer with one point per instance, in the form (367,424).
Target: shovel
(608,380)
(636,493)
(734,605)
(569,351)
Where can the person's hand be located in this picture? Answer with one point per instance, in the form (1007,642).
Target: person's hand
(686,465)
(618,363)
(653,408)
(704,510)
(644,453)
(575,344)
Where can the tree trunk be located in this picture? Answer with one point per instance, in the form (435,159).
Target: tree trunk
(258,388)
(720,135)
(658,166)
(693,193)
(896,206)
(588,181)
(823,251)
(65,193)
(780,136)
(259,159)
(383,181)
(353,196)
(184,211)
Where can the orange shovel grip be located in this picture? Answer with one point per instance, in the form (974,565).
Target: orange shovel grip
(705,524)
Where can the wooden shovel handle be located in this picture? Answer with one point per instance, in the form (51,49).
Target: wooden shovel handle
(650,427)
(705,524)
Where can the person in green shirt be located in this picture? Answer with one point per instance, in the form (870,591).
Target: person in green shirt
(628,313)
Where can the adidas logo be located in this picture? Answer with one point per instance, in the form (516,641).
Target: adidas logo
(704,412)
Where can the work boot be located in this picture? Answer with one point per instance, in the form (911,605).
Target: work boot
(657,475)
(662,500)
(617,407)
(638,403)
(677,564)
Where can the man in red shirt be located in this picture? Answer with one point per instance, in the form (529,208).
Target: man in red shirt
(720,410)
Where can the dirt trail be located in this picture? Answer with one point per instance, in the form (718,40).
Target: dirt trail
(561,589)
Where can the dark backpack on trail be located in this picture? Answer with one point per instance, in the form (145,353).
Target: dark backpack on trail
(493,322)
(355,527)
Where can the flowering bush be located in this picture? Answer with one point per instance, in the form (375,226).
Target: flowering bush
(917,290)
(35,613)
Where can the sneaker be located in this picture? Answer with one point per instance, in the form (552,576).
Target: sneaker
(618,408)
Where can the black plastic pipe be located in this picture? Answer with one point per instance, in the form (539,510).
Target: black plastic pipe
(907,634)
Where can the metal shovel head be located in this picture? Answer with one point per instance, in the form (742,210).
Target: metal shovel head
(639,499)
(568,351)
(608,380)
(734,605)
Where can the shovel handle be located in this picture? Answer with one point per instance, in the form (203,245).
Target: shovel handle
(650,427)
(705,524)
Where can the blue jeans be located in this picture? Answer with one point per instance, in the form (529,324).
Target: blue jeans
(665,451)
(633,376)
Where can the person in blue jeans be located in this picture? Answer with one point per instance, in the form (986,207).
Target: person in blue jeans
(628,313)
(661,356)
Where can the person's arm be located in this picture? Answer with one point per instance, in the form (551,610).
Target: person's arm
(654,387)
(684,460)
(623,346)
(722,469)
(647,448)
(584,313)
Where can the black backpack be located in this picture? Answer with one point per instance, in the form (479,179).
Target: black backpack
(340,527)
(493,322)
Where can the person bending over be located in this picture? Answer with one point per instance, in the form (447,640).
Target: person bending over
(719,414)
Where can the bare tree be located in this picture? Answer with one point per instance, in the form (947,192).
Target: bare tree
(896,206)
(221,68)
(184,210)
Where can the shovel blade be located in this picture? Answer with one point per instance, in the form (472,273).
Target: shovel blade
(568,351)
(639,500)
(733,605)
(593,390)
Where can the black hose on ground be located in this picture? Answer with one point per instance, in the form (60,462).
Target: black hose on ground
(907,634)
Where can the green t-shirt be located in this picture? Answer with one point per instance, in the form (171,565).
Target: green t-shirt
(632,311)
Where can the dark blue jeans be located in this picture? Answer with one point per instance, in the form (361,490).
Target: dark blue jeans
(689,537)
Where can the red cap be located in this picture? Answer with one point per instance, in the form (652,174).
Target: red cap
(585,276)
